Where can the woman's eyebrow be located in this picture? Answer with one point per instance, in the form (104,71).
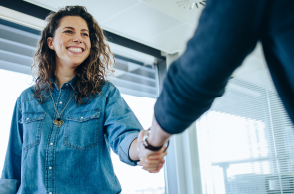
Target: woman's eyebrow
(74,29)
(69,28)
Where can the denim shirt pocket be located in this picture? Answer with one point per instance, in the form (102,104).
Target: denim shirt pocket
(81,131)
(32,124)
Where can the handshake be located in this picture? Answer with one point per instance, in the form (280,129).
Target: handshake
(151,161)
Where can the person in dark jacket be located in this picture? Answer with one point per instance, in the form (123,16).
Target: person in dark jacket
(227,32)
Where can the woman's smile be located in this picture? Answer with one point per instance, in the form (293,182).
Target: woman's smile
(75,50)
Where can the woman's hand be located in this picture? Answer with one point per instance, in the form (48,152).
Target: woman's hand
(150,160)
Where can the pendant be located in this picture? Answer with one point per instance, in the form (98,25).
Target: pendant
(58,122)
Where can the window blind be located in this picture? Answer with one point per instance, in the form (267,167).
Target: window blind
(131,77)
(246,140)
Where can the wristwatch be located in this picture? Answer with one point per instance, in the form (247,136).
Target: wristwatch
(150,147)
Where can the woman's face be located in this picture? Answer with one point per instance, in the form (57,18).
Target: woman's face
(71,42)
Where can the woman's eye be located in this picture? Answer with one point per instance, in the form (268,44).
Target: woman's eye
(68,31)
(85,34)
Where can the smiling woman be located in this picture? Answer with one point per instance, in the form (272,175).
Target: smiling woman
(68,32)
(63,127)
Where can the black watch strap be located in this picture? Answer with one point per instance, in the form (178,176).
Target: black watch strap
(150,147)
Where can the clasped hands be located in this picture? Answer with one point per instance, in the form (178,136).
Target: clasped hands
(151,161)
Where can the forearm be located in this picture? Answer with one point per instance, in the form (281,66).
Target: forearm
(133,152)
(157,136)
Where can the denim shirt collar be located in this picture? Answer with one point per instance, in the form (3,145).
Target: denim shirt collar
(72,83)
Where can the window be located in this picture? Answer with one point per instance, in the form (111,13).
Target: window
(11,86)
(246,140)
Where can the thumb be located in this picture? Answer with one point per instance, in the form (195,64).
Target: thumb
(140,139)
(140,136)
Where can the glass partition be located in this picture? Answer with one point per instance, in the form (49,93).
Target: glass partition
(246,139)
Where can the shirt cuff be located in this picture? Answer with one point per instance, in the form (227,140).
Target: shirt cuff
(124,149)
(9,186)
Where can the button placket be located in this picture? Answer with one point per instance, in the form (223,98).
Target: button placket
(51,148)
(61,99)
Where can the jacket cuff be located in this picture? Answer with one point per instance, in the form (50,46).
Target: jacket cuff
(124,149)
(9,186)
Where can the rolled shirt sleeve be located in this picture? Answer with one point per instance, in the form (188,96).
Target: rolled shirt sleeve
(11,173)
(121,125)
(124,149)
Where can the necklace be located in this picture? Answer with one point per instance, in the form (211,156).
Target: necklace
(58,122)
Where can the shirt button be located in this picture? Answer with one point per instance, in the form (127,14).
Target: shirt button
(82,117)
(50,167)
(50,192)
(66,84)
(28,118)
(60,102)
(51,143)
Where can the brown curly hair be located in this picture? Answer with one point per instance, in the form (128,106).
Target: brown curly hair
(90,75)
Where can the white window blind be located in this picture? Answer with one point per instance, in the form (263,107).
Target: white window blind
(246,140)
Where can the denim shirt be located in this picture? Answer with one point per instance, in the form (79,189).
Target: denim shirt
(74,158)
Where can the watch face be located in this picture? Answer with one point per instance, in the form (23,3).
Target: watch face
(145,142)
(146,135)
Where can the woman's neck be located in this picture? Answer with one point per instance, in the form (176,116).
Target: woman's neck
(62,76)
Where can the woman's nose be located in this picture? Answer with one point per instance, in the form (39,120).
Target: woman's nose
(78,38)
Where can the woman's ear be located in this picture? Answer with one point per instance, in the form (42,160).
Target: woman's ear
(50,43)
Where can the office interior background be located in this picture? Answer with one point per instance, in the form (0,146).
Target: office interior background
(242,145)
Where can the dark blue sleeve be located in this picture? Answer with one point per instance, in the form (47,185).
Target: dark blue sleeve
(226,34)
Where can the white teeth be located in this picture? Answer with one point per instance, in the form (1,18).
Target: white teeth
(77,50)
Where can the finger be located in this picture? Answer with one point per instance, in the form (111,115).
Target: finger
(154,152)
(153,164)
(147,166)
(157,156)
(154,170)
(145,161)
(150,169)
(160,167)
(149,161)
(140,163)
(153,161)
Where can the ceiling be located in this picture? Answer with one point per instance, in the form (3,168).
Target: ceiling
(161,24)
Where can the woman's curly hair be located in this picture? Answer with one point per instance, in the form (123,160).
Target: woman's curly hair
(90,75)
